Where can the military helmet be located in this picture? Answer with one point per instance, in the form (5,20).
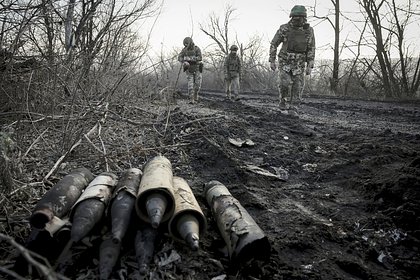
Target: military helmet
(187,41)
(298,11)
(234,48)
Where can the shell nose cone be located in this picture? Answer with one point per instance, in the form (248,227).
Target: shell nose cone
(156,206)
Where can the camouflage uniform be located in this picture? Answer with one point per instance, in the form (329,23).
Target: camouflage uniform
(191,58)
(296,53)
(232,71)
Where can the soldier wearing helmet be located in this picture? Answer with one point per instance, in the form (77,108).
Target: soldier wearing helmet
(232,71)
(191,60)
(296,55)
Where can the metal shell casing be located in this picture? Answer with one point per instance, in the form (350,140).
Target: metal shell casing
(59,200)
(157,180)
(186,205)
(123,202)
(90,207)
(244,238)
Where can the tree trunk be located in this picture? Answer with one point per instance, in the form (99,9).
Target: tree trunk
(334,79)
(68,27)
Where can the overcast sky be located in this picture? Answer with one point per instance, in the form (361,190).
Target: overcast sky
(181,18)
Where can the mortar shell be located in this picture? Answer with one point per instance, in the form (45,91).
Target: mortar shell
(157,179)
(243,237)
(188,221)
(123,202)
(59,200)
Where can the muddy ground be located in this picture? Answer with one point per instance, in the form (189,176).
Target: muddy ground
(339,199)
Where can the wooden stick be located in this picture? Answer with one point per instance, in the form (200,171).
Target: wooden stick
(167,120)
(60,160)
(103,148)
(45,270)
(115,116)
(165,147)
(11,273)
(33,143)
(91,131)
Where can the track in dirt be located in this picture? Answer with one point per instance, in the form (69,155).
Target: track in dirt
(339,199)
(334,217)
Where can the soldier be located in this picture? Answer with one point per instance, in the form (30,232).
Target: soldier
(191,60)
(296,53)
(232,71)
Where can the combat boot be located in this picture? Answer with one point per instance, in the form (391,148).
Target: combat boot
(195,95)
(282,100)
(282,103)
(228,95)
(192,101)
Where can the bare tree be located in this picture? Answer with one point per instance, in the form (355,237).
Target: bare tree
(409,87)
(47,11)
(372,10)
(66,42)
(68,28)
(335,24)
(254,72)
(334,79)
(352,69)
(256,75)
(389,21)
(217,29)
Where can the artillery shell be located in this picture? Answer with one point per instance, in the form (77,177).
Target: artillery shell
(90,207)
(155,198)
(188,221)
(145,247)
(188,230)
(122,204)
(243,237)
(60,198)
(121,209)
(87,214)
(156,207)
(109,253)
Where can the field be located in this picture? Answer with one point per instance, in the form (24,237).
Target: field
(335,188)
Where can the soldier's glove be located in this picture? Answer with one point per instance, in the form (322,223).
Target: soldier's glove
(200,67)
(185,66)
(273,66)
(309,67)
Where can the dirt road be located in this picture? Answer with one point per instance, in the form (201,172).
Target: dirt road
(349,207)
